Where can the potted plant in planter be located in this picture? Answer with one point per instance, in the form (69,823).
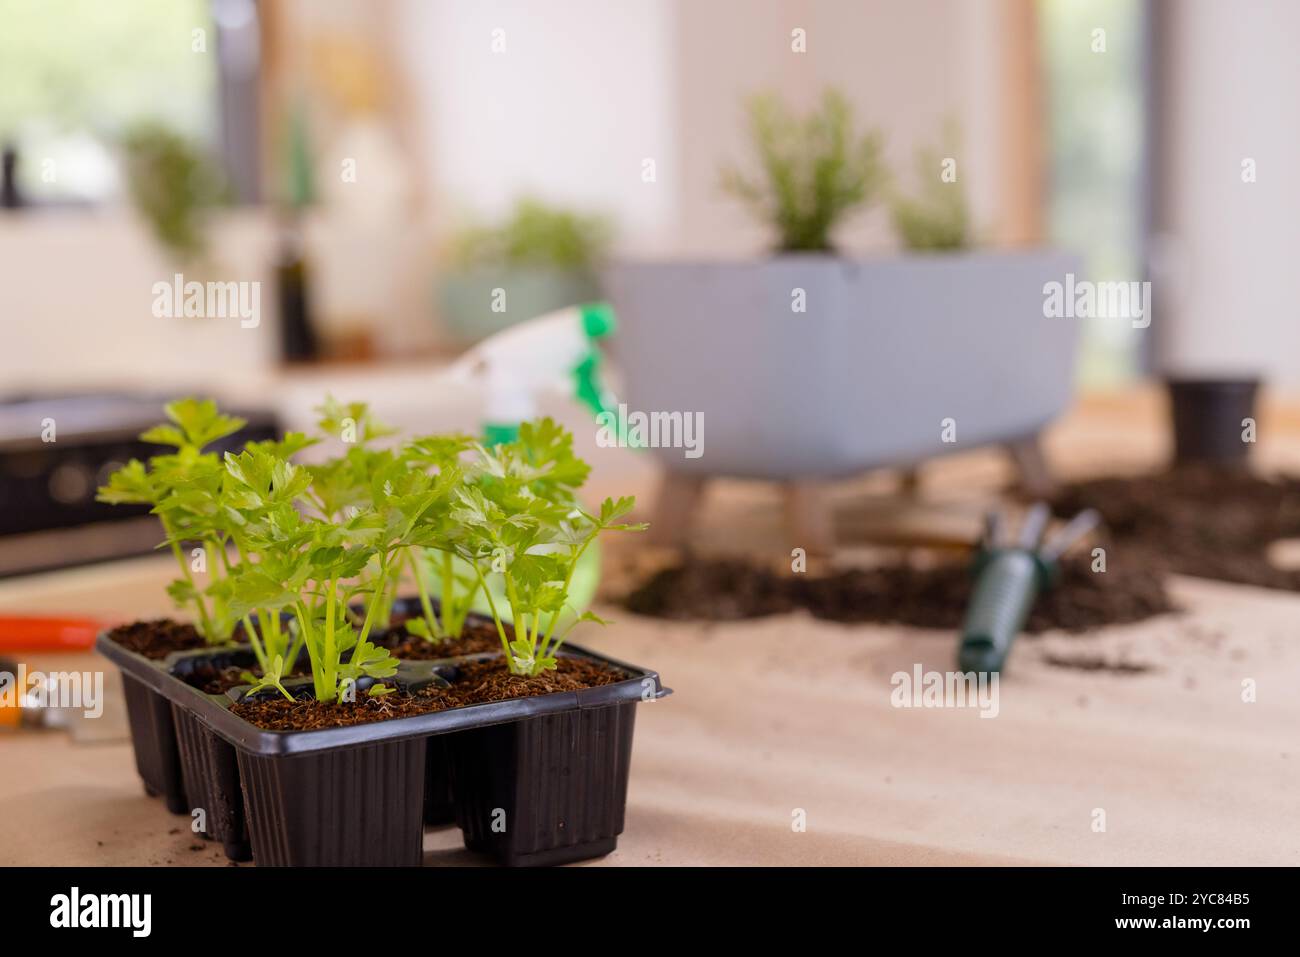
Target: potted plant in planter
(809,365)
(541,258)
(935,218)
(318,703)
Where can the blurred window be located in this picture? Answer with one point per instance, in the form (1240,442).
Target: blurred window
(1096,89)
(77,75)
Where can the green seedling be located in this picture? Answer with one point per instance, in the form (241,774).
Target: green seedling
(520,520)
(183,488)
(308,558)
(262,487)
(344,484)
(432,558)
(309,568)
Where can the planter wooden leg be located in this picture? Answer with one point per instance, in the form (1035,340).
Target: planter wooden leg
(675,504)
(1035,477)
(808,518)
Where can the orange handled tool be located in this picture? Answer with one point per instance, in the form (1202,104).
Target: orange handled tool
(21,633)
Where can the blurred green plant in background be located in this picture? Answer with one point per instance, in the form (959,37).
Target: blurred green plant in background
(815,170)
(535,234)
(936,217)
(173,185)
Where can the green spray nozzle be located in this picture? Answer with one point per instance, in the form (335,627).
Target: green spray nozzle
(598,321)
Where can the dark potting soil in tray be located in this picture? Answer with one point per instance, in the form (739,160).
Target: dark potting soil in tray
(158,638)
(219,680)
(935,597)
(477,683)
(475,639)
(1205,522)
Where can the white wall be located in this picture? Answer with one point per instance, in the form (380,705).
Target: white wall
(580,96)
(76,297)
(1227,303)
(587,89)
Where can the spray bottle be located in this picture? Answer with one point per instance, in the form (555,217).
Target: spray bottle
(558,348)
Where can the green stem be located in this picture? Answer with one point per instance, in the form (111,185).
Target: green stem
(312,652)
(520,621)
(270,642)
(330,655)
(295,648)
(505,645)
(568,579)
(452,626)
(204,621)
(283,691)
(376,597)
(259,649)
(435,628)
(220,549)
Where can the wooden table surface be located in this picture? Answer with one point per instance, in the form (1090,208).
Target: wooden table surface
(789,715)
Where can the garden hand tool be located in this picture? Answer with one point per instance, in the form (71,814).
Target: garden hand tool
(23,633)
(20,634)
(1008,578)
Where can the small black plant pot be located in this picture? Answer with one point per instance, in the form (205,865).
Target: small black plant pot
(439,802)
(1207,417)
(556,766)
(359,806)
(153,738)
(209,765)
(546,790)
(152,723)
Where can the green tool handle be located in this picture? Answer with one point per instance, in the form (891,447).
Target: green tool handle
(1006,584)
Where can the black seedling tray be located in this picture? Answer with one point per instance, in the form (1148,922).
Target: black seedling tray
(540,780)
(153,737)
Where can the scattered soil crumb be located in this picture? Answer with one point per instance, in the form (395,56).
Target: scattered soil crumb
(1097,663)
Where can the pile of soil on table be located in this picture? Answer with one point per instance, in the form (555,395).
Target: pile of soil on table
(1205,522)
(477,683)
(934,597)
(158,638)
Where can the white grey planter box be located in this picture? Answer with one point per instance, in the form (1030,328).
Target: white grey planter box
(887,350)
